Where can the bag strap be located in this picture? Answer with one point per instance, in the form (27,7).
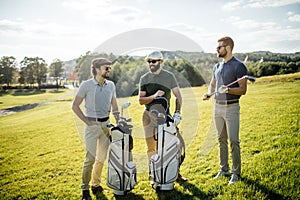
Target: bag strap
(182,144)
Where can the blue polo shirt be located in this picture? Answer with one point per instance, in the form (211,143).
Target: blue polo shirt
(97,97)
(225,73)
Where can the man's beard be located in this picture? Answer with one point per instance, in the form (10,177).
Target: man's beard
(106,75)
(220,55)
(154,68)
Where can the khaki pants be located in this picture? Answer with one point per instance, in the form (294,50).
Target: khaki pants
(227,122)
(96,140)
(149,125)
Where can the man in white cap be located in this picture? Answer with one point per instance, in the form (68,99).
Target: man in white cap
(158,82)
(100,96)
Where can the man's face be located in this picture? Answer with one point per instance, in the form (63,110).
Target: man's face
(154,65)
(104,71)
(221,50)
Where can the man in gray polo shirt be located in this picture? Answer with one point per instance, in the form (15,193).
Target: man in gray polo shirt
(227,108)
(100,96)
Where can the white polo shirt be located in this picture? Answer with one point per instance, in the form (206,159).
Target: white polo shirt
(97,97)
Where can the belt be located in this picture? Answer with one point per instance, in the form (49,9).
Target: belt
(98,119)
(227,102)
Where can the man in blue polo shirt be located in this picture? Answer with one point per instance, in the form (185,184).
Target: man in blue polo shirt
(226,107)
(100,96)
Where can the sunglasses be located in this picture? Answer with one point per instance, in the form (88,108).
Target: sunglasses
(219,47)
(152,61)
(107,68)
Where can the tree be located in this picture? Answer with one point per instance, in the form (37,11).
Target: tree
(56,70)
(83,64)
(33,70)
(7,69)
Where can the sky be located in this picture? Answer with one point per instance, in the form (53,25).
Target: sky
(66,29)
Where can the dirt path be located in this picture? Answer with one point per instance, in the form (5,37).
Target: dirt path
(16,109)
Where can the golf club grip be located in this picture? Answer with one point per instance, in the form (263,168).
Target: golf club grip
(209,95)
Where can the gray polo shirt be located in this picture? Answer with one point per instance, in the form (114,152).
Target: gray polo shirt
(97,97)
(225,73)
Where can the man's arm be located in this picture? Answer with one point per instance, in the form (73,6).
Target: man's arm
(211,89)
(115,109)
(146,100)
(77,110)
(241,90)
(178,100)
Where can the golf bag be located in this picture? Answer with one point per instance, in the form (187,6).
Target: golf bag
(164,165)
(121,174)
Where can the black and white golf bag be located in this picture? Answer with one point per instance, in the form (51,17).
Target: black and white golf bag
(121,174)
(164,165)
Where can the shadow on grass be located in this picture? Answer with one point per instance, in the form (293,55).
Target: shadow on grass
(55,91)
(63,100)
(129,196)
(192,193)
(270,194)
(101,196)
(27,92)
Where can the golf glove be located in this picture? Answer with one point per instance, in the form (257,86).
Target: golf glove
(176,118)
(223,89)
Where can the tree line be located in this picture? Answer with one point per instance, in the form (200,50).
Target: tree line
(127,70)
(190,68)
(30,71)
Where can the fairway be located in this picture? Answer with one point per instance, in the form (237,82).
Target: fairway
(41,150)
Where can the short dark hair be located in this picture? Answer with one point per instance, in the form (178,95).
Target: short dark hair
(227,41)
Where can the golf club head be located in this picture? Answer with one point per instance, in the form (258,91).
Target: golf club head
(161,118)
(126,105)
(161,115)
(251,78)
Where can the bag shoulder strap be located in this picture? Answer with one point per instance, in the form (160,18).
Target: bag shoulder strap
(182,145)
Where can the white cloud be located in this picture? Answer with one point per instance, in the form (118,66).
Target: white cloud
(249,23)
(276,40)
(109,11)
(86,5)
(270,3)
(259,35)
(233,5)
(293,17)
(204,38)
(37,30)
(22,38)
(10,26)
(184,27)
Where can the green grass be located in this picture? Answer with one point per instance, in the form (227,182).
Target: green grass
(41,150)
(22,97)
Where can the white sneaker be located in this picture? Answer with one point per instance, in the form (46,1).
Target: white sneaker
(234,179)
(222,173)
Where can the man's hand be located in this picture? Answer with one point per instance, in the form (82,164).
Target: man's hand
(176,118)
(91,123)
(206,97)
(223,89)
(159,93)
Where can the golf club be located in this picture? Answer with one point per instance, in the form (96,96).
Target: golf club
(124,106)
(250,78)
